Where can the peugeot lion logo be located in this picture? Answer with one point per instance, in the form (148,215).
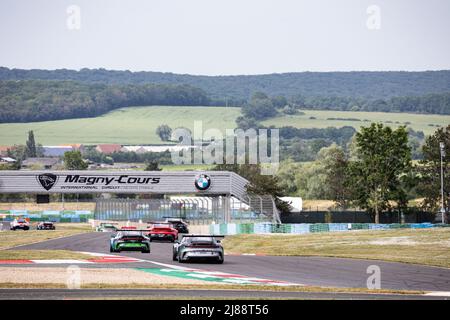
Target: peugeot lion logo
(202,182)
(47,180)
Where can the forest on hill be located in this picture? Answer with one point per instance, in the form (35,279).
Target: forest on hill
(357,84)
(40,95)
(39,100)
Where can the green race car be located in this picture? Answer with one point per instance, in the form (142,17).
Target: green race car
(130,240)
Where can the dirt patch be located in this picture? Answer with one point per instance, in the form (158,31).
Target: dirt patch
(405,241)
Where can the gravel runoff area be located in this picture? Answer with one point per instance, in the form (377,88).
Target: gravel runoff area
(57,275)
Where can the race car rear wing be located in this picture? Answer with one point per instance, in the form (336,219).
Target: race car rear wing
(158,222)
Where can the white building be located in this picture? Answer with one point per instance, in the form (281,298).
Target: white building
(144,149)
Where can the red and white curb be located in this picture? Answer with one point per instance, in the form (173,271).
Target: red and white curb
(225,277)
(97,258)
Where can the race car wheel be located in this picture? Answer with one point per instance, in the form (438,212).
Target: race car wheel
(174,256)
(111,249)
(220,261)
(145,251)
(180,260)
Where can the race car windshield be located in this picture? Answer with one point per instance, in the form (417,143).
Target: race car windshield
(131,233)
(162,226)
(201,239)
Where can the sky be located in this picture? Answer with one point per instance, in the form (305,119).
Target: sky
(225,37)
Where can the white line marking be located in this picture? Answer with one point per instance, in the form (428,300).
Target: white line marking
(438,294)
(62,261)
(207,274)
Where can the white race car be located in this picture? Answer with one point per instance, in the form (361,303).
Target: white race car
(20,224)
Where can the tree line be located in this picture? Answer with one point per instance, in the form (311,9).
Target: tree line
(433,103)
(46,100)
(39,100)
(372,85)
(375,174)
(417,92)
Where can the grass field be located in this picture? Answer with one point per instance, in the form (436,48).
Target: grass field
(125,126)
(419,122)
(420,246)
(137,125)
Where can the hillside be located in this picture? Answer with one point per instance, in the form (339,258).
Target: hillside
(61,95)
(134,125)
(372,85)
(137,125)
(324,118)
(44,100)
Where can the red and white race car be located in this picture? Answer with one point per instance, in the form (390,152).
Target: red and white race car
(162,231)
(20,224)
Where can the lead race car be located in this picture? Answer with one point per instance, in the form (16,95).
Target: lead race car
(130,240)
(198,247)
(178,223)
(20,223)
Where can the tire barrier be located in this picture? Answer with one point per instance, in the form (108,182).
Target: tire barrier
(303,228)
(48,215)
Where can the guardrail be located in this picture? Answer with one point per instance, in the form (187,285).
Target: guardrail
(303,228)
(48,215)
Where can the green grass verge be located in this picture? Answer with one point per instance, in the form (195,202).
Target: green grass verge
(210,287)
(9,239)
(419,246)
(137,125)
(41,255)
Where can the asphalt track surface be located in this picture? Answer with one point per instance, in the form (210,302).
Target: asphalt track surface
(313,271)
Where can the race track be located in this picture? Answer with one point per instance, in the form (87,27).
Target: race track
(314,271)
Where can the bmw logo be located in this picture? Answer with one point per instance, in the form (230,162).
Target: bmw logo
(202,182)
